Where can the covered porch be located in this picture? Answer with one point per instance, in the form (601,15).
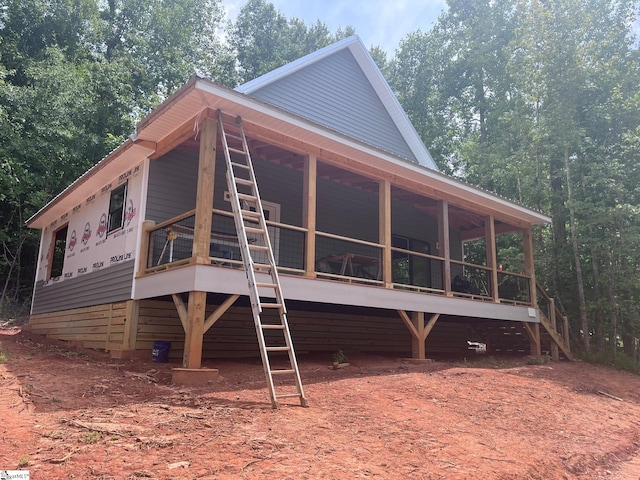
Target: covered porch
(345,231)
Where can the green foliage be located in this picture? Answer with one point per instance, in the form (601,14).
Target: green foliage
(513,96)
(75,75)
(538,360)
(339,357)
(91,437)
(621,361)
(264,39)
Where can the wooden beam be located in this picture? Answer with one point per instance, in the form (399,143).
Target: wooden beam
(407,321)
(146,144)
(204,192)
(529,268)
(215,316)
(184,132)
(182,310)
(130,334)
(419,331)
(429,326)
(444,246)
(533,332)
(476,233)
(309,202)
(490,245)
(194,332)
(384,226)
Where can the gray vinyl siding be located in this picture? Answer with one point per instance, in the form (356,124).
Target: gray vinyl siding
(173,180)
(110,285)
(336,93)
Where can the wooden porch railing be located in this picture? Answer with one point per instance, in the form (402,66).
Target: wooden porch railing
(550,315)
(169,245)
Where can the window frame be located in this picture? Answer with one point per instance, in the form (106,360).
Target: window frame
(60,257)
(113,210)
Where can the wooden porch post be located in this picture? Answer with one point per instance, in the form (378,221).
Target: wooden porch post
(194,328)
(384,224)
(204,192)
(529,269)
(309,201)
(490,241)
(193,335)
(418,346)
(145,247)
(444,245)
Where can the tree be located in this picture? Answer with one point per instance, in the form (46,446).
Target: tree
(535,100)
(74,77)
(264,39)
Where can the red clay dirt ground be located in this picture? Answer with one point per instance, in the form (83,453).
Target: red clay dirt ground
(75,413)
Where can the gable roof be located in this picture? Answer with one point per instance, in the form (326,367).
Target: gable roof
(341,87)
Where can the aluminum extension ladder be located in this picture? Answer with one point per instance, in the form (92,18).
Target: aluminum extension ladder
(274,336)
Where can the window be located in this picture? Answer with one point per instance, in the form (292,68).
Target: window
(59,250)
(117,204)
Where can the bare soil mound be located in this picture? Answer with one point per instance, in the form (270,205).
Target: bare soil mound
(76,413)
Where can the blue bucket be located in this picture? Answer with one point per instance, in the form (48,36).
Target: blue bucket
(160,351)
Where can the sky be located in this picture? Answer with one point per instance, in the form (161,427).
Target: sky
(381,23)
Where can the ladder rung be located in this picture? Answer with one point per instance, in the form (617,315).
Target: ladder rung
(253,230)
(235,150)
(272,327)
(287,395)
(271,305)
(250,213)
(241,165)
(260,248)
(244,196)
(277,349)
(282,372)
(243,181)
(266,285)
(233,135)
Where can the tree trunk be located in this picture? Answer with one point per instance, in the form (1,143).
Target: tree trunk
(613,304)
(598,327)
(584,322)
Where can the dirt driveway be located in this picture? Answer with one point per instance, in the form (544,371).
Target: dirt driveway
(75,413)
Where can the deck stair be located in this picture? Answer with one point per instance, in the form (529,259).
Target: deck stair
(274,337)
(550,317)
